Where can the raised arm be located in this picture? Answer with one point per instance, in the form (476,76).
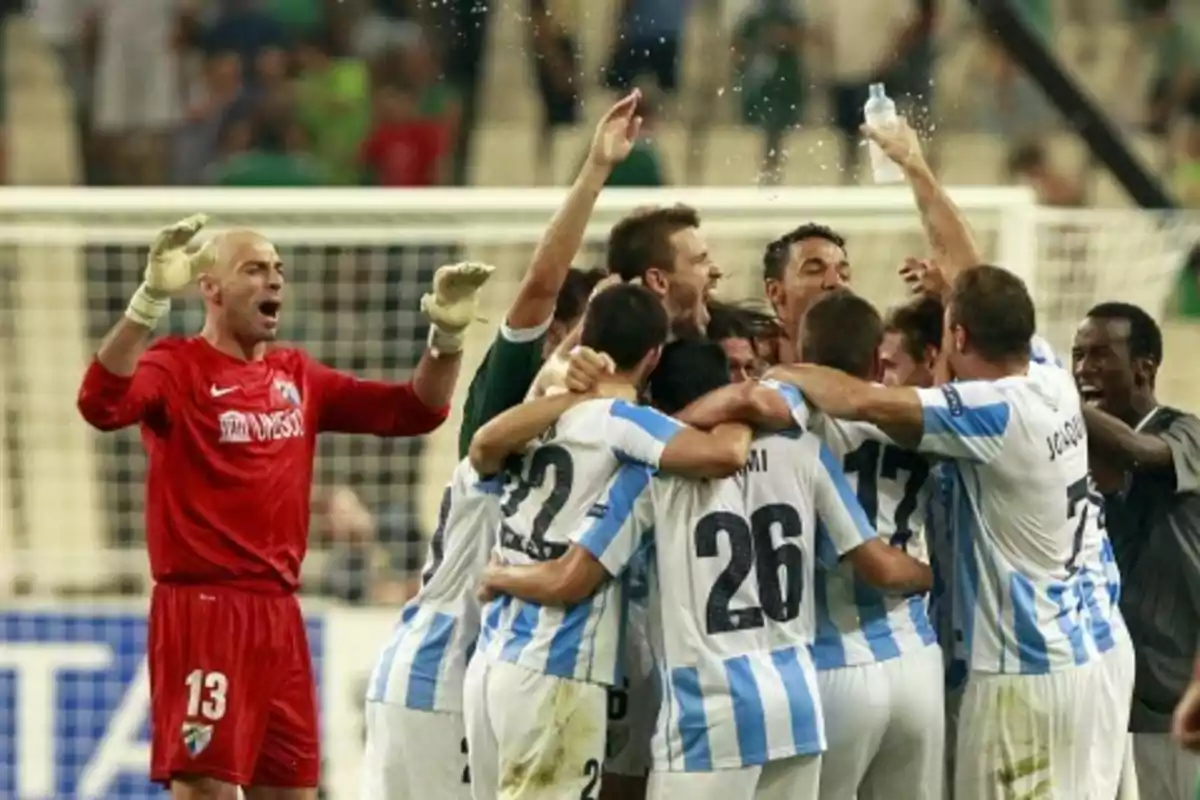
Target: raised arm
(945,226)
(601,550)
(121,388)
(614,138)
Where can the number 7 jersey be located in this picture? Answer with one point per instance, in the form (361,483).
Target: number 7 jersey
(730,603)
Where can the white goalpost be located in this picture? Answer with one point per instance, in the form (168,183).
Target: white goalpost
(357,263)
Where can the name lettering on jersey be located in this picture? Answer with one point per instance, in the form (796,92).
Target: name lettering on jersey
(757,462)
(1070,435)
(242,427)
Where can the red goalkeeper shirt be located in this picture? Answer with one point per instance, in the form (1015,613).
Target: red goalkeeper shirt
(230,445)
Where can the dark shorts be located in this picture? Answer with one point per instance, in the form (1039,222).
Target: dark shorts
(232,690)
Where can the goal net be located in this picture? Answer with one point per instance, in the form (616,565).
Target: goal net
(357,263)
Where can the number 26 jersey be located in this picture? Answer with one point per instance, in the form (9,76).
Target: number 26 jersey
(730,603)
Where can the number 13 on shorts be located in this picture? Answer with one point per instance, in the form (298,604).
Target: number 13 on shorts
(207,693)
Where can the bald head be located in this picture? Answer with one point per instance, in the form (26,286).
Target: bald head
(242,284)
(233,248)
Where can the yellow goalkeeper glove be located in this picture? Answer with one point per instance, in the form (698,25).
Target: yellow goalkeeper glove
(170,269)
(452,303)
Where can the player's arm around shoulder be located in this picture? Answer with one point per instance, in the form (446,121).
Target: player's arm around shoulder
(644,435)
(767,405)
(897,410)
(512,431)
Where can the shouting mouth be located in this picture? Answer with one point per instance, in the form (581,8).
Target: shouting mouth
(269,310)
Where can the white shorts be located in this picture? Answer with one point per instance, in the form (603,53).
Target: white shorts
(885,728)
(1018,732)
(1165,771)
(532,736)
(414,754)
(795,778)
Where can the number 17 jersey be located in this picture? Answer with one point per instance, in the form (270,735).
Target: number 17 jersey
(857,623)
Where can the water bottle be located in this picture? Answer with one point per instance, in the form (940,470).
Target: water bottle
(880,113)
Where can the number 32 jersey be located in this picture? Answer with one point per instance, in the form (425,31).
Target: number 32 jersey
(549,498)
(730,601)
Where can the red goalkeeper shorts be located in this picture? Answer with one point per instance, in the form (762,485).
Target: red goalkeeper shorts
(232,693)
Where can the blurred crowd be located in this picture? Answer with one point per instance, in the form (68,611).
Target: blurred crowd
(257,92)
(293,93)
(377,92)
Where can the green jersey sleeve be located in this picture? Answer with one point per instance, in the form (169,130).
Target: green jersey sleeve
(503,378)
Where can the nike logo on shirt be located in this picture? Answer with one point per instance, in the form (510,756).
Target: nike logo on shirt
(218,392)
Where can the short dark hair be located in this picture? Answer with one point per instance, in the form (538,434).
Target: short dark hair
(842,330)
(1026,156)
(738,321)
(919,323)
(687,370)
(779,252)
(625,321)
(993,306)
(643,239)
(1145,337)
(575,291)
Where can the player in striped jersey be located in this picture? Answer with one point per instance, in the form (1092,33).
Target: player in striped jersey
(416,742)
(761,733)
(869,644)
(535,696)
(1033,628)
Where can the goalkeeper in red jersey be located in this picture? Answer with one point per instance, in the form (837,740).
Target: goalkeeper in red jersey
(229,422)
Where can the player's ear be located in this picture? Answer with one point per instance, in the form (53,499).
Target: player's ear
(210,287)
(876,373)
(775,296)
(651,361)
(932,351)
(655,280)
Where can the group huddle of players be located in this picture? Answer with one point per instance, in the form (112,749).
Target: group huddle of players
(650,579)
(689,552)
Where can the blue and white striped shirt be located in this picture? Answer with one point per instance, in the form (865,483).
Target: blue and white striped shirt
(730,607)
(1026,538)
(424,660)
(556,498)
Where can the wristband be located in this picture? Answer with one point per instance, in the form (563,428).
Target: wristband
(443,342)
(146,309)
